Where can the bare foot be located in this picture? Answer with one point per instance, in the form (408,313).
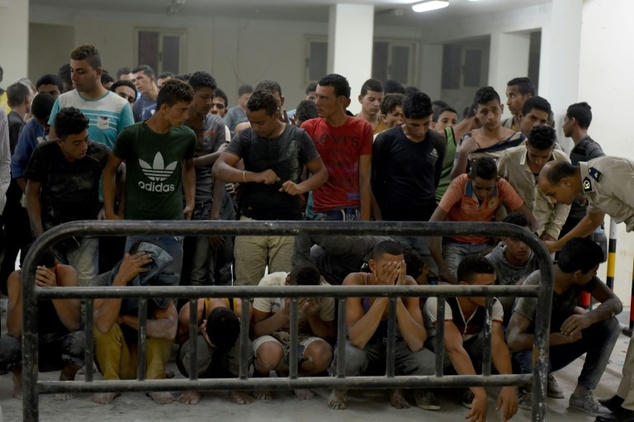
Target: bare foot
(161,397)
(104,398)
(263,395)
(397,400)
(64,396)
(17,383)
(190,397)
(169,374)
(241,397)
(304,394)
(337,400)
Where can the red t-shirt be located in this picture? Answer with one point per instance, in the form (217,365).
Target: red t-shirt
(340,148)
(461,204)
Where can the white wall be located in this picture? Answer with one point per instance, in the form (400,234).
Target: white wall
(605,74)
(47,56)
(14,39)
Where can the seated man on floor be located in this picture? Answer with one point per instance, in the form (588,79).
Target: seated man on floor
(478,196)
(117,321)
(61,340)
(571,333)
(366,321)
(464,339)
(217,346)
(271,324)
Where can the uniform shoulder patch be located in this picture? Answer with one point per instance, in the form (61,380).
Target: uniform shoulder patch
(587,185)
(595,174)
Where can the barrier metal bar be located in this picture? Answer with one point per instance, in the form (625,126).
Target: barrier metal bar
(293,352)
(440,335)
(486,331)
(391,338)
(193,338)
(31,293)
(245,344)
(90,343)
(273,383)
(142,340)
(611,255)
(341,334)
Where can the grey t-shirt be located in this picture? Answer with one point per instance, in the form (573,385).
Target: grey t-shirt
(563,304)
(208,140)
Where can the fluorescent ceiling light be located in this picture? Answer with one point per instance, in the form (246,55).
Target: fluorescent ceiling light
(426,6)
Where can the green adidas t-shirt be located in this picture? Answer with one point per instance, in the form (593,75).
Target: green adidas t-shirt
(153,189)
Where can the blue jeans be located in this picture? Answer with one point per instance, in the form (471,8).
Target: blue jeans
(597,342)
(453,252)
(173,245)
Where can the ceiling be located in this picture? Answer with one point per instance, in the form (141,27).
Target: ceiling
(387,12)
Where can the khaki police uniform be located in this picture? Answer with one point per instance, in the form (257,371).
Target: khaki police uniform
(608,183)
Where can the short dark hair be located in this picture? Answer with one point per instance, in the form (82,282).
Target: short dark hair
(245,89)
(88,53)
(371,85)
(517,219)
(393,87)
(223,328)
(582,113)
(470,111)
(484,168)
(64,73)
(124,82)
(50,79)
(123,71)
(183,76)
(440,111)
(42,105)
(542,137)
(472,265)
(558,171)
(304,275)
(390,101)
(174,91)
(200,80)
(311,87)
(485,95)
(262,100)
(106,78)
(580,254)
(17,94)
(70,121)
(220,93)
(413,261)
(536,102)
(269,86)
(524,85)
(306,110)
(339,83)
(417,106)
(411,90)
(163,75)
(386,247)
(147,70)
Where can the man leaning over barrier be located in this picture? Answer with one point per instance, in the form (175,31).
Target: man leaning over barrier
(366,321)
(117,321)
(61,340)
(217,346)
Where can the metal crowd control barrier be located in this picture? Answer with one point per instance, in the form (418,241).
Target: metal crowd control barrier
(31,293)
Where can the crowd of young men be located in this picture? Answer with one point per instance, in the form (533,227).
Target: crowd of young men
(76,153)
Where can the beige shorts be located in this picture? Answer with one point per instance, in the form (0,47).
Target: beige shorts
(283,339)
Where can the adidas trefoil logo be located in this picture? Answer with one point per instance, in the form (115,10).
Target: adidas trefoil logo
(158,171)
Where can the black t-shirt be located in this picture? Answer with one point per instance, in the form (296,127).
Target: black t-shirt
(15,124)
(286,155)
(406,174)
(70,191)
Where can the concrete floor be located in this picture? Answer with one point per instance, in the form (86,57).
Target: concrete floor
(363,406)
